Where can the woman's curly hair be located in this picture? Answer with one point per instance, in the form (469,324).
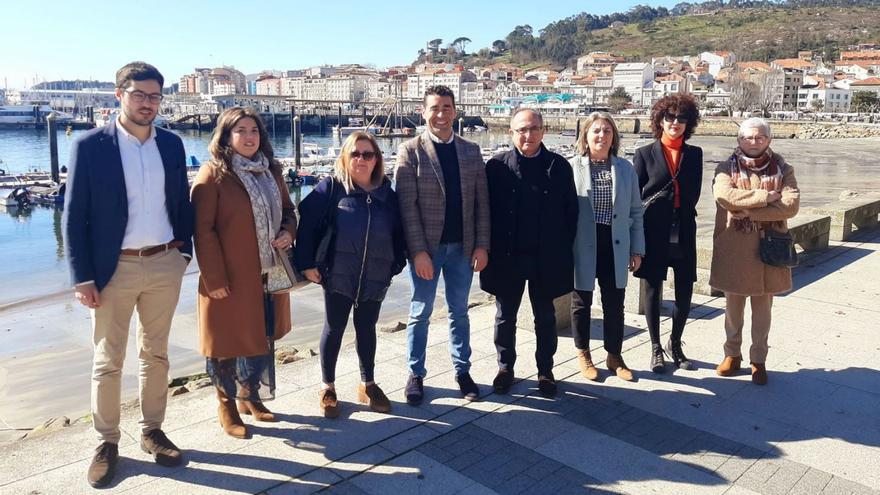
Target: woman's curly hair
(683,105)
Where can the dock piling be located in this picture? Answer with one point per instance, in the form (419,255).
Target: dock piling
(52,126)
(297,142)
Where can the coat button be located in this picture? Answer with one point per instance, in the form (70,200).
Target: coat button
(615,215)
(617,241)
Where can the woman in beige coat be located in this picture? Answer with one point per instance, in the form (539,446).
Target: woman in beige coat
(755,190)
(243,211)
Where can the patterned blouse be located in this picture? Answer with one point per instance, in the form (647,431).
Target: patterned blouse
(600,173)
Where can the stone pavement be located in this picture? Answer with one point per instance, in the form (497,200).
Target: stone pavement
(814,429)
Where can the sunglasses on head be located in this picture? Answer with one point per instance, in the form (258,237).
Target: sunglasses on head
(366,155)
(681,119)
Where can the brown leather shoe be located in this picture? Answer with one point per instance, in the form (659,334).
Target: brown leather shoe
(328,404)
(164,452)
(257,410)
(103,466)
(585,363)
(373,396)
(729,366)
(230,420)
(618,367)
(759,374)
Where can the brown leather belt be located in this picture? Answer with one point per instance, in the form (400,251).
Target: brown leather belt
(150,251)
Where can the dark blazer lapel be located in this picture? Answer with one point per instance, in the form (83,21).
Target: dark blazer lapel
(112,168)
(428,146)
(171,172)
(659,160)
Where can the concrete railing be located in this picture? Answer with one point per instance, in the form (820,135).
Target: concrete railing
(846,214)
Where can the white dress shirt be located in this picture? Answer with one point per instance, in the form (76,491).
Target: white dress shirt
(437,140)
(148,222)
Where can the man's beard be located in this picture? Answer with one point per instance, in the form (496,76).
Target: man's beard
(135,118)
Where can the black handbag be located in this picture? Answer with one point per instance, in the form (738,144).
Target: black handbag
(777,249)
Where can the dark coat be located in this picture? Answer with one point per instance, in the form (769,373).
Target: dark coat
(96,202)
(228,254)
(653,173)
(369,247)
(555,230)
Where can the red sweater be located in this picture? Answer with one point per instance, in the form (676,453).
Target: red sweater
(672,152)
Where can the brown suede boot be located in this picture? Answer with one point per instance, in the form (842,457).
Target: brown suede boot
(373,396)
(257,409)
(328,404)
(729,366)
(618,367)
(230,421)
(759,374)
(585,363)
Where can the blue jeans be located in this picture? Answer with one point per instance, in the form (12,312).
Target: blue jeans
(457,276)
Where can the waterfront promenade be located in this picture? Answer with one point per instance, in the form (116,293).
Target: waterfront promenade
(815,428)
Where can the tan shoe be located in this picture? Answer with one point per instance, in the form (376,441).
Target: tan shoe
(585,363)
(230,420)
(328,404)
(759,374)
(729,366)
(618,367)
(257,410)
(373,396)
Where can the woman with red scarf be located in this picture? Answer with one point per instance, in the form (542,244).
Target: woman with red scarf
(670,177)
(755,191)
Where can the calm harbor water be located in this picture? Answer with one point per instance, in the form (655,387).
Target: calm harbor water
(32,261)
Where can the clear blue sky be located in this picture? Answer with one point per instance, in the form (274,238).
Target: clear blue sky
(51,39)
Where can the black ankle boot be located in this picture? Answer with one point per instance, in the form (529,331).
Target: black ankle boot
(658,364)
(679,360)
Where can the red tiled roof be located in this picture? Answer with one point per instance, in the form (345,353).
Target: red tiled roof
(871,81)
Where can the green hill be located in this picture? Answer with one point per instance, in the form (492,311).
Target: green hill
(753,34)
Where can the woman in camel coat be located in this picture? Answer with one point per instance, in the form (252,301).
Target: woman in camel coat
(243,212)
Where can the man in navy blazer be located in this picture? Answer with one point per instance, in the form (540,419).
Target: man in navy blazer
(128,226)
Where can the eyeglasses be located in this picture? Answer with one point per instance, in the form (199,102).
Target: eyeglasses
(366,155)
(525,130)
(681,119)
(755,139)
(139,96)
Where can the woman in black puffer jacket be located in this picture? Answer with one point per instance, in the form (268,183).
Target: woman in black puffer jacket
(367,249)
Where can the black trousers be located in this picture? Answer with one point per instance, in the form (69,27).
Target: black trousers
(612,300)
(337,307)
(506,308)
(684,292)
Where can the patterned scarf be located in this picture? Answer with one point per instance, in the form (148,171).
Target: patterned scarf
(767,168)
(265,202)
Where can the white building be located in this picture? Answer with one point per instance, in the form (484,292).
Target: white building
(64,100)
(717,60)
(633,78)
(832,100)
(417,83)
(871,84)
(269,86)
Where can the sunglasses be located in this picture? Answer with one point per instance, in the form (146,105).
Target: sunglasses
(681,119)
(366,155)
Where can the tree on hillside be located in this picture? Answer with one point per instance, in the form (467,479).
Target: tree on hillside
(498,46)
(434,45)
(461,43)
(522,44)
(619,99)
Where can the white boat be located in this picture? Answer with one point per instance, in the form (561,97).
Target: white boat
(355,124)
(30,114)
(104,116)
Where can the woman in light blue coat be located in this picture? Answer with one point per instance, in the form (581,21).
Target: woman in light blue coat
(610,239)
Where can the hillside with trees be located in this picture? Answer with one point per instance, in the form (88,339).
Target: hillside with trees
(754,30)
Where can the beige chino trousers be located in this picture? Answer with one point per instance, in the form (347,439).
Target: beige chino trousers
(734,316)
(150,284)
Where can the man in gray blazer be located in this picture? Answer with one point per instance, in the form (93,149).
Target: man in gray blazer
(444,203)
